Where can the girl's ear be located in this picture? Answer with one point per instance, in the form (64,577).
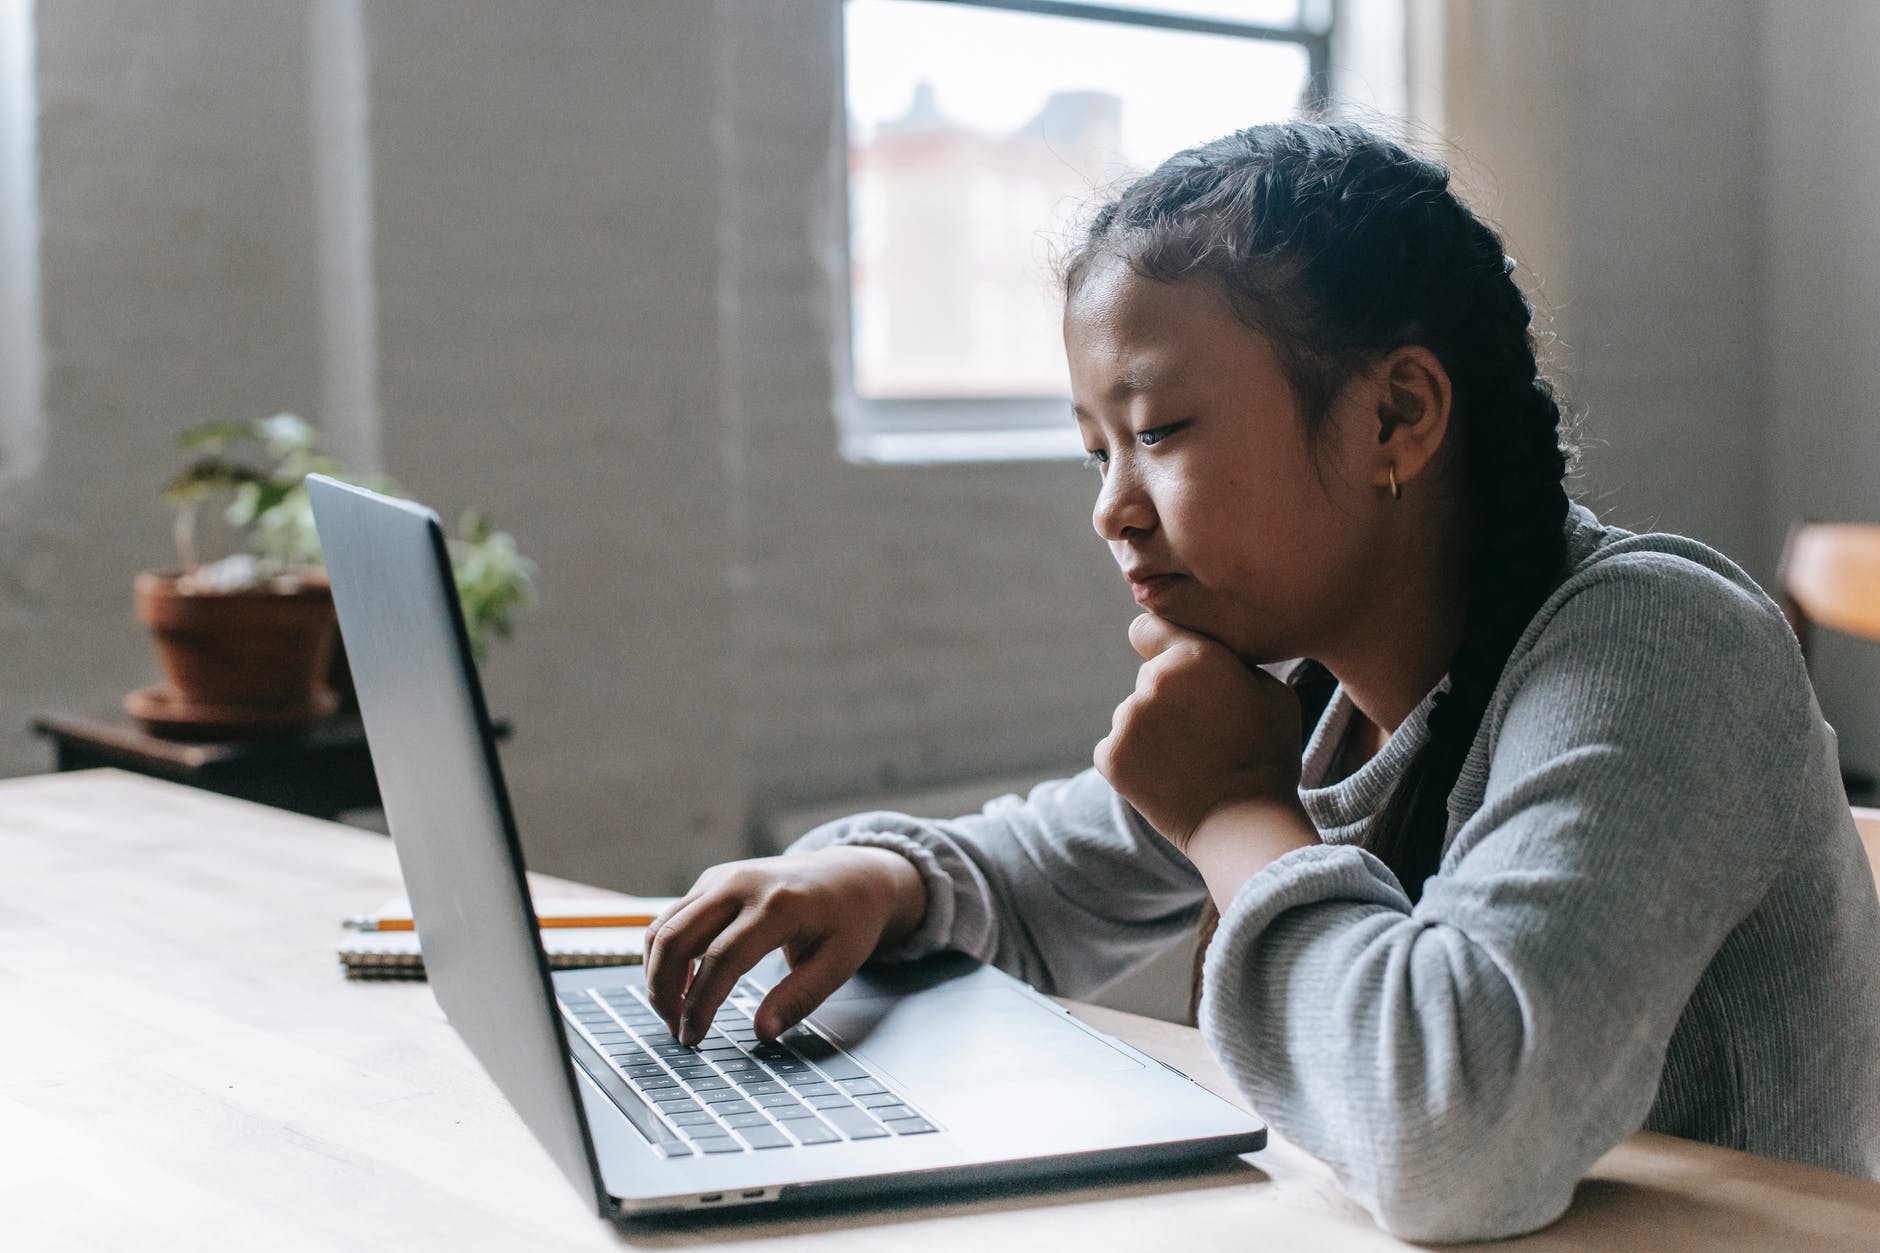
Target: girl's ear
(1413,399)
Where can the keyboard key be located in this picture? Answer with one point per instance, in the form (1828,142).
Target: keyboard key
(645,1070)
(760,1087)
(809,1087)
(673,1148)
(752,1119)
(694,1072)
(854,1124)
(713,1084)
(833,1101)
(784,1113)
(695,1118)
(873,1099)
(764,1137)
(835,1064)
(791,1066)
(909,1126)
(682,1105)
(723,1108)
(723,1096)
(888,1113)
(657,1083)
(776,1100)
(717,1144)
(862,1087)
(812,1131)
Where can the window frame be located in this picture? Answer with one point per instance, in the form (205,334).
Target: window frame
(956,429)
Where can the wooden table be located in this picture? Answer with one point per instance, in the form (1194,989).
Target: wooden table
(183,1067)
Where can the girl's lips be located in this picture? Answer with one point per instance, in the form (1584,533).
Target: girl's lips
(1146,588)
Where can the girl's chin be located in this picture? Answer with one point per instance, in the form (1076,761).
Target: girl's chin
(1249,646)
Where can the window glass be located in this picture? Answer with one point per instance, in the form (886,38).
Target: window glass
(978,138)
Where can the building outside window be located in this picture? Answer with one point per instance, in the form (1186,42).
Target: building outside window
(981,133)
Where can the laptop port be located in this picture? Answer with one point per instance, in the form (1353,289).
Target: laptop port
(754,1192)
(716,1196)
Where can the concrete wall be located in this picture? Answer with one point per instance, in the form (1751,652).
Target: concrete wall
(1618,148)
(178,279)
(600,261)
(734,623)
(1821,179)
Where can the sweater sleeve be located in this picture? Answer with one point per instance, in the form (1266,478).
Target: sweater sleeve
(1069,888)
(1462,1063)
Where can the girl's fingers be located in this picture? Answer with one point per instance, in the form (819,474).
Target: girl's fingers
(660,920)
(736,949)
(671,947)
(826,968)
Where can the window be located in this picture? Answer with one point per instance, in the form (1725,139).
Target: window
(980,133)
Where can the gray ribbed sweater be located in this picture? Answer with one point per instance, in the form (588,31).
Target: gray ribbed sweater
(1652,911)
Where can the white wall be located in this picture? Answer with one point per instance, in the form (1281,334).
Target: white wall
(599,258)
(1618,147)
(733,622)
(178,283)
(1821,180)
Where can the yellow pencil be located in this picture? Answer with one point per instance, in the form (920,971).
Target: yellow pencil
(369,923)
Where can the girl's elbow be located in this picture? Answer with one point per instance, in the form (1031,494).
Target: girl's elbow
(1469,1197)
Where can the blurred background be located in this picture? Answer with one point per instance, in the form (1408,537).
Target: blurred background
(738,315)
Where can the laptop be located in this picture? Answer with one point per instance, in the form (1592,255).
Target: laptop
(914,1075)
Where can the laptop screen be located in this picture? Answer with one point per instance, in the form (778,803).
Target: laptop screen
(447,808)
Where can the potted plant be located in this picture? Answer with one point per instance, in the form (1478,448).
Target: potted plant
(247,643)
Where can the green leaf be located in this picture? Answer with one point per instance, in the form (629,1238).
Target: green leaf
(213,436)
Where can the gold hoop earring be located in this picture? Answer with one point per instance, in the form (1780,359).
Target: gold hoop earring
(1396,492)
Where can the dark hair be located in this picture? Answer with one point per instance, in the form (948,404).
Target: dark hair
(1339,246)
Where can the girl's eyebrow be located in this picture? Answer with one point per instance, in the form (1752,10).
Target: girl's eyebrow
(1136,378)
(1151,375)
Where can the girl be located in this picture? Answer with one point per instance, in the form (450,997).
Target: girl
(1566,853)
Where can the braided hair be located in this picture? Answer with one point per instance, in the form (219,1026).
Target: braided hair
(1339,246)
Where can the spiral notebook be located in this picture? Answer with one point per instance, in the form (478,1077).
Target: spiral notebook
(369,954)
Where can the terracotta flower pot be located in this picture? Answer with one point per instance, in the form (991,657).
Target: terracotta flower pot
(259,656)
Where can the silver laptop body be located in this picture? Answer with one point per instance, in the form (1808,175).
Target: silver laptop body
(966,1074)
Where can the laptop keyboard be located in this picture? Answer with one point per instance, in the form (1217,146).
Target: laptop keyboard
(733,1094)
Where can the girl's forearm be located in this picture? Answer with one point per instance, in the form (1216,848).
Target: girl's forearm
(1237,841)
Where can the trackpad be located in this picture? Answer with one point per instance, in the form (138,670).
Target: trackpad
(973,1035)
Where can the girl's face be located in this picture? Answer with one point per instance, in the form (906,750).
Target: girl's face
(1211,502)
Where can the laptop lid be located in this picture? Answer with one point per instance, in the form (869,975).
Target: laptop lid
(448,809)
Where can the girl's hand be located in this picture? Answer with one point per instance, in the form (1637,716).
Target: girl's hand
(1201,731)
(828,910)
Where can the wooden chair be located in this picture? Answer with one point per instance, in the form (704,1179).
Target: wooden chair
(1830,576)
(1867,821)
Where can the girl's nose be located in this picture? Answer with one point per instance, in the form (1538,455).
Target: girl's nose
(1123,508)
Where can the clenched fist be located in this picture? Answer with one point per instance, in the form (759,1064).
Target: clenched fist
(1202,730)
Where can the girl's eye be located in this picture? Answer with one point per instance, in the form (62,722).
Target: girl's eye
(1155,435)
(1095,459)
